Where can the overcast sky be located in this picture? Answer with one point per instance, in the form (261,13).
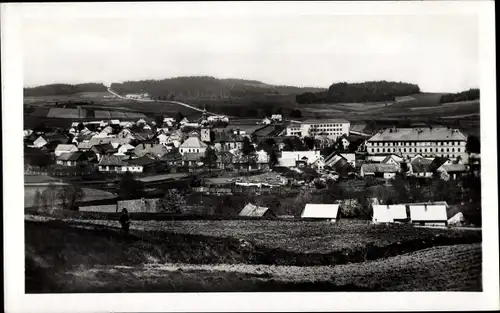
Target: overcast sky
(439,53)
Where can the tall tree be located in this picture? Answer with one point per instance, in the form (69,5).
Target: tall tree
(248,151)
(473,144)
(172,202)
(69,196)
(309,142)
(209,158)
(296,113)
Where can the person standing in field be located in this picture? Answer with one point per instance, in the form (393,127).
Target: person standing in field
(125,221)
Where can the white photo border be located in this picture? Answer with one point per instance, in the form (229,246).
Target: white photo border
(12,121)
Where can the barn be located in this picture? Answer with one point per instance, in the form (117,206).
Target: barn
(251,210)
(389,213)
(429,214)
(321,211)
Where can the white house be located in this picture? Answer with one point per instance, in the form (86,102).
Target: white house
(218,118)
(291,157)
(321,211)
(429,215)
(262,156)
(389,213)
(63,148)
(265,121)
(193,145)
(276,117)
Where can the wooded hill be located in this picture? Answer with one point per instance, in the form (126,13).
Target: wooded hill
(471,94)
(206,87)
(62,89)
(370,91)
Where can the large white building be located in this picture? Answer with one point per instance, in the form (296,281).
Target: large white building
(331,128)
(428,142)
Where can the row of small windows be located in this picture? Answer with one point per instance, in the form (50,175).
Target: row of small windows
(439,143)
(326,125)
(417,150)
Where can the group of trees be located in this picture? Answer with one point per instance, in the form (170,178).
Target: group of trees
(471,94)
(206,87)
(359,92)
(62,89)
(56,198)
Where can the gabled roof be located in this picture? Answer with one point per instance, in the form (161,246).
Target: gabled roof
(193,142)
(437,163)
(104,148)
(65,147)
(388,213)
(329,211)
(428,213)
(419,134)
(421,165)
(392,156)
(143,161)
(253,210)
(69,156)
(112,160)
(379,168)
(450,168)
(171,156)
(192,156)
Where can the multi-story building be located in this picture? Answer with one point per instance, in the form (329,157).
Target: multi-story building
(331,128)
(428,142)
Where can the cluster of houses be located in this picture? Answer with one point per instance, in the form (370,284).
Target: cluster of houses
(115,146)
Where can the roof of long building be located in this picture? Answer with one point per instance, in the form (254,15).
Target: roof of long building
(325,121)
(418,134)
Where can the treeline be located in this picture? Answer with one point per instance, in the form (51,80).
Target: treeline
(62,89)
(359,92)
(205,87)
(471,94)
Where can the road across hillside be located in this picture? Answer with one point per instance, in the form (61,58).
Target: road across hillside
(162,101)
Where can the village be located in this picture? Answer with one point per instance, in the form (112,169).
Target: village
(264,163)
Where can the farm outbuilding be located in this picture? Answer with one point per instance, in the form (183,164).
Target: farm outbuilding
(251,210)
(389,213)
(429,214)
(321,211)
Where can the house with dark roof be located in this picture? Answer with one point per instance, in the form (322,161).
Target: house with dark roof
(147,162)
(420,167)
(386,171)
(192,159)
(155,149)
(69,158)
(172,158)
(103,149)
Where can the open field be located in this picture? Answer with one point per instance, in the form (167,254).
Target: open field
(65,256)
(89,194)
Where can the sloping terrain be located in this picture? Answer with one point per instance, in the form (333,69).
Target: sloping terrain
(69,256)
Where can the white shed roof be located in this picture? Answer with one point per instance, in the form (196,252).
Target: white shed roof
(381,214)
(398,211)
(428,213)
(388,213)
(320,211)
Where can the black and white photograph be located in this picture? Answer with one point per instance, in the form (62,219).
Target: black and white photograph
(250,149)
